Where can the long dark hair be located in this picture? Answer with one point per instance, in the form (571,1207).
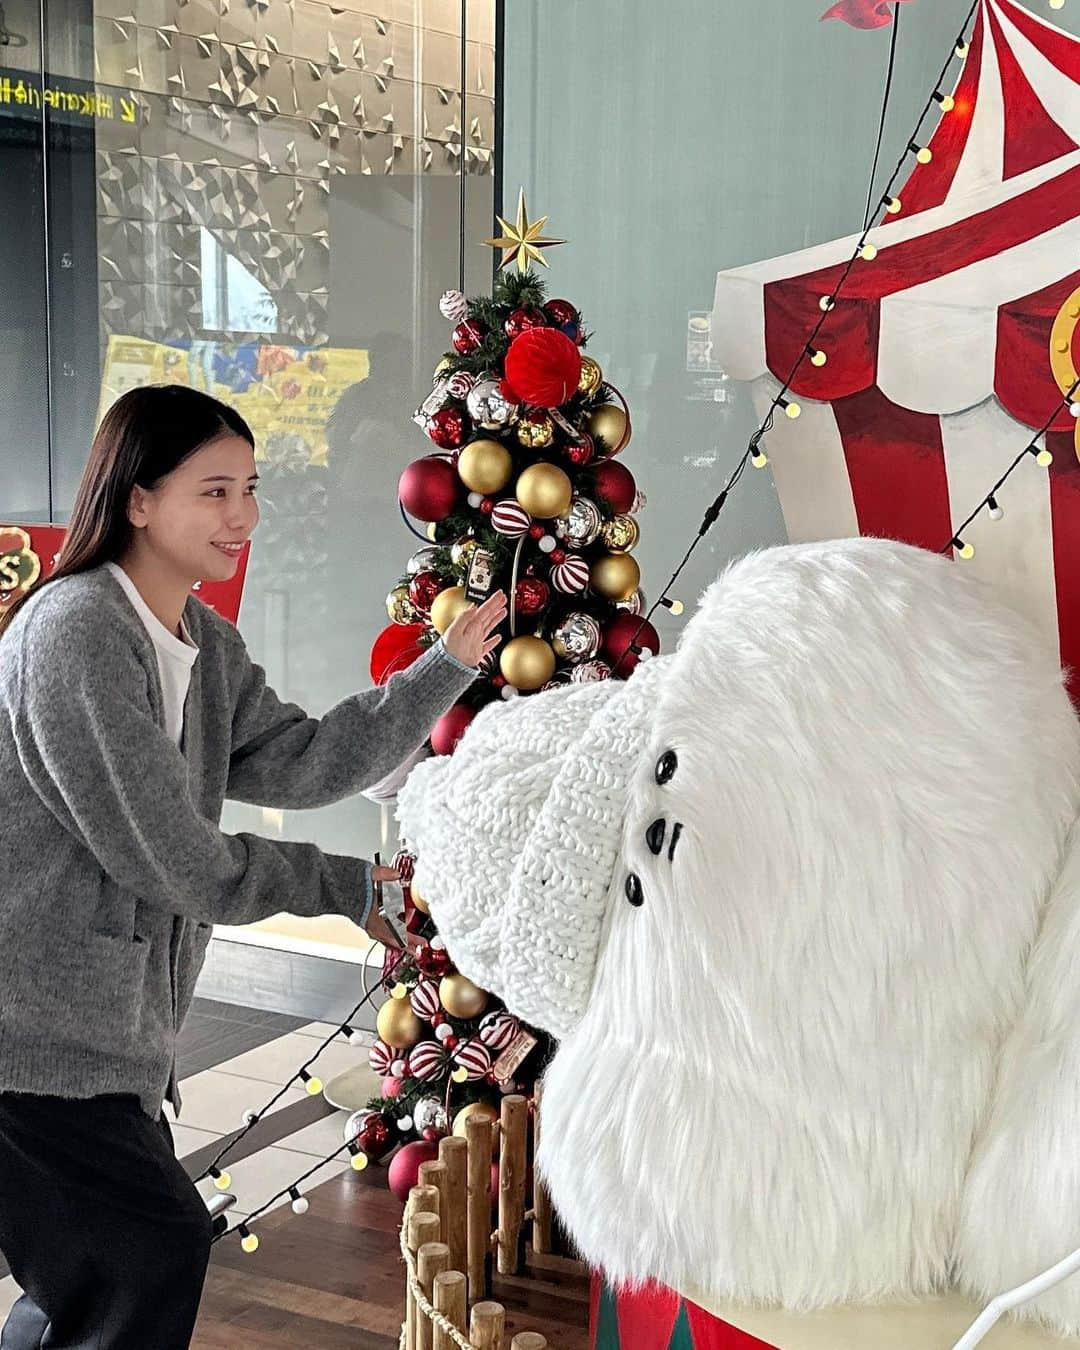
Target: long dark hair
(146,434)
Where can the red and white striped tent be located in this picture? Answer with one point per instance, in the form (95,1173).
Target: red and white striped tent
(952,345)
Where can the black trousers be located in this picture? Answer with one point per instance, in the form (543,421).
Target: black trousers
(100,1225)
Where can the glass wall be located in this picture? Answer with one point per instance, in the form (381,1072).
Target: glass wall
(668,142)
(264,199)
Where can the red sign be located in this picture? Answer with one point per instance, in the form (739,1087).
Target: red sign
(30,551)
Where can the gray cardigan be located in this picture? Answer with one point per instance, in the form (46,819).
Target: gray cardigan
(112,863)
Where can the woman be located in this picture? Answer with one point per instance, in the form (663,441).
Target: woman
(128,712)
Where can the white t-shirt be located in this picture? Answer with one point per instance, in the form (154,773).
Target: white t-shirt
(175,656)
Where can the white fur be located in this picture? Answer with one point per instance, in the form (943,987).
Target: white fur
(790,1048)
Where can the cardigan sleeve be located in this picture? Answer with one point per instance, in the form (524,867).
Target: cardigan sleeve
(95,755)
(282,757)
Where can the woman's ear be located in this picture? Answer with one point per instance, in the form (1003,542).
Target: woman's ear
(136,510)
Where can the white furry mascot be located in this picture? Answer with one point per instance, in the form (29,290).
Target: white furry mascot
(801,903)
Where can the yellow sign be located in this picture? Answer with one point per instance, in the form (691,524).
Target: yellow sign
(285,393)
(26,93)
(1061,354)
(20,566)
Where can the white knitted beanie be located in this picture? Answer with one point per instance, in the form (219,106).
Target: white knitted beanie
(517,834)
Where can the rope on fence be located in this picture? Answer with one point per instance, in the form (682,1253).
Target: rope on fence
(428,1309)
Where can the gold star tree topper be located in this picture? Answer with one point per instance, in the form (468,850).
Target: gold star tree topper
(523,241)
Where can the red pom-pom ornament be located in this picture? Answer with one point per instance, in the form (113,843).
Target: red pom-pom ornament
(544,367)
(396,648)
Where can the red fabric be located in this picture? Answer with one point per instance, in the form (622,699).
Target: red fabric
(1023,381)
(928,185)
(1032,137)
(1065,533)
(709,1333)
(396,648)
(222,596)
(896,468)
(1060,48)
(647,1316)
(850,333)
(862,13)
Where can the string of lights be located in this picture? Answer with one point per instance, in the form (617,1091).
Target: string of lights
(864,251)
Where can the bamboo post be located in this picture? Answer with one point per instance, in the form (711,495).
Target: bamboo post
(529,1340)
(432,1259)
(450,1301)
(434,1174)
(478,1134)
(515,1125)
(488,1325)
(425,1200)
(453,1154)
(423,1227)
(542,1222)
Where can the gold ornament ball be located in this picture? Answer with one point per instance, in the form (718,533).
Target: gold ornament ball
(400,606)
(611,425)
(461,998)
(482,1111)
(461,552)
(418,900)
(446,606)
(592,377)
(621,534)
(535,433)
(444,364)
(615,577)
(398,1025)
(545,491)
(485,466)
(527,662)
(433,530)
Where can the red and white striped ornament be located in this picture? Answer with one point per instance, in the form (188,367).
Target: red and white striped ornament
(380,1057)
(453,306)
(404,864)
(498,1029)
(474,1057)
(459,384)
(425,1000)
(427,1061)
(510,519)
(571,575)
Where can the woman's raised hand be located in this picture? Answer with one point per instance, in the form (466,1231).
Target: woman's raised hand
(470,637)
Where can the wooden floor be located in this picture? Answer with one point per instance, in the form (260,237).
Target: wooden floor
(332,1279)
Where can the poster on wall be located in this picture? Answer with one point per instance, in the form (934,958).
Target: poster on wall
(28,552)
(284,392)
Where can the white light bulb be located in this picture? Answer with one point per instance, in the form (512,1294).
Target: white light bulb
(893,205)
(250,1116)
(1057,4)
(962,48)
(1044,459)
(946,102)
(826,303)
(996,511)
(759,459)
(868,252)
(1074,409)
(356,1038)
(924,154)
(793,410)
(404,1124)
(300,1205)
(966,551)
(819,358)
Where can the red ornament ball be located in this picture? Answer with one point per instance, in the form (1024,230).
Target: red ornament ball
(428,488)
(448,428)
(487,506)
(531,596)
(392,1088)
(375,1136)
(557,555)
(498,681)
(423,589)
(451,1042)
(581,451)
(536,531)
(614,482)
(401,1175)
(565,316)
(434,962)
(450,728)
(616,640)
(544,367)
(467,336)
(432,1135)
(396,648)
(522,320)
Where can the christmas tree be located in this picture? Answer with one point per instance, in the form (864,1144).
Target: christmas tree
(525,493)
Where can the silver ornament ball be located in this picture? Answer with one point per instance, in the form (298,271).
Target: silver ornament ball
(576,638)
(489,406)
(423,560)
(430,1114)
(581,524)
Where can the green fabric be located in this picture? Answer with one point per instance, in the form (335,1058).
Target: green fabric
(607,1322)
